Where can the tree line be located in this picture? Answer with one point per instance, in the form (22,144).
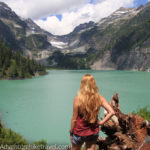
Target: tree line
(13,65)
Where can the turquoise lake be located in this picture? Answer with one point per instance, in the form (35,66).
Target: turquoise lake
(41,108)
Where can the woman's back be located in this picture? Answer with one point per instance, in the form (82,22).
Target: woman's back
(84,123)
(89,99)
(84,127)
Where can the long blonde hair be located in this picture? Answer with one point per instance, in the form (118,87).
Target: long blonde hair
(89,99)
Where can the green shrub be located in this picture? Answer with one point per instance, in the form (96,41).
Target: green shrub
(9,137)
(144,113)
(42,144)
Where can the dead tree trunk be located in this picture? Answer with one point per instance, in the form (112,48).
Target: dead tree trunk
(125,131)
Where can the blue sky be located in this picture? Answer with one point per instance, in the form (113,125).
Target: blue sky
(92,1)
(59,16)
(139,2)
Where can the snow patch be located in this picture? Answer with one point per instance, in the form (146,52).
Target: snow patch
(59,44)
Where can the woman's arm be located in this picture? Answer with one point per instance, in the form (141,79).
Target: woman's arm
(75,114)
(109,109)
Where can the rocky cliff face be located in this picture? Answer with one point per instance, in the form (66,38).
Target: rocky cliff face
(121,41)
(23,34)
(137,59)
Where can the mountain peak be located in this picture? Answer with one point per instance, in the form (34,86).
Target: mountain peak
(140,7)
(32,25)
(83,26)
(6,12)
(4,6)
(123,9)
(122,13)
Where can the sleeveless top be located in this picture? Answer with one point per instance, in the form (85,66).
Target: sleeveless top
(84,128)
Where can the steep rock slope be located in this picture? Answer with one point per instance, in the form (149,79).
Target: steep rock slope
(23,34)
(121,41)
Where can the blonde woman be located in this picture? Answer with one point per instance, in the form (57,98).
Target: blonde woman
(85,123)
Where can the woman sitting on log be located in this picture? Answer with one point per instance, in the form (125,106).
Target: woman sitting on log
(85,123)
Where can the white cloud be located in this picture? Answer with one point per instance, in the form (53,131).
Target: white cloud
(88,12)
(74,12)
(36,9)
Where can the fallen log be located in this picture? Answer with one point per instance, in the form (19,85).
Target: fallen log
(124,131)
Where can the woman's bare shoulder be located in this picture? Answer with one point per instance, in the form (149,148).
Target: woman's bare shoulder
(76,100)
(102,99)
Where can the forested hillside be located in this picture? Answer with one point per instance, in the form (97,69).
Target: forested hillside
(13,65)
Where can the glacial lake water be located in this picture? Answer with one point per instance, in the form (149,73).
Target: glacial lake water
(41,108)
